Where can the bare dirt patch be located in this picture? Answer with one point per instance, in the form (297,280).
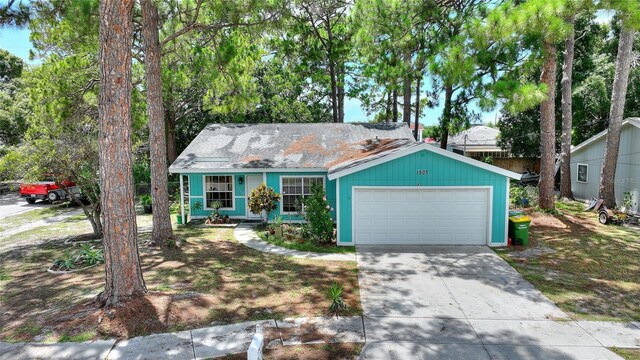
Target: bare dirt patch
(315,352)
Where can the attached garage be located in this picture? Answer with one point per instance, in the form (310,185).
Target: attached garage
(426,215)
(421,195)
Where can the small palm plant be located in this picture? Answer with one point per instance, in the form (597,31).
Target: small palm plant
(334,293)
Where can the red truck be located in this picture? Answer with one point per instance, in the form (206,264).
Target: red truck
(47,189)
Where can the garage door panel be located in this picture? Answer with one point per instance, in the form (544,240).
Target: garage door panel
(421,216)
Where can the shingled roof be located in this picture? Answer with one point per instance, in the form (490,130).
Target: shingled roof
(288,146)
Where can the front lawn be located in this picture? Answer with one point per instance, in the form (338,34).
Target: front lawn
(591,271)
(212,279)
(307,245)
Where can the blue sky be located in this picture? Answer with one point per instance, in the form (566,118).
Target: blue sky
(17,42)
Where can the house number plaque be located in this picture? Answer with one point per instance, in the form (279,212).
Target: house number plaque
(422,172)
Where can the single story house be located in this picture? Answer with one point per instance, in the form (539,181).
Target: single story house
(384,187)
(587,158)
(481,142)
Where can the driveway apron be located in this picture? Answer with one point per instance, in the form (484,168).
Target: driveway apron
(454,302)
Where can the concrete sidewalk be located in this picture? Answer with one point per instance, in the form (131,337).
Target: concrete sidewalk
(246,235)
(210,342)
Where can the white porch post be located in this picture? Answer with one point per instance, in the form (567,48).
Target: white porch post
(182,200)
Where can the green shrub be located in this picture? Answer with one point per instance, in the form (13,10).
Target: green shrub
(334,293)
(145,199)
(263,198)
(317,213)
(533,194)
(517,194)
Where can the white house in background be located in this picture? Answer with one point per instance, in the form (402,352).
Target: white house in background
(478,142)
(412,126)
(481,142)
(587,158)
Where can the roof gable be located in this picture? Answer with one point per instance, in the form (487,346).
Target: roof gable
(356,166)
(628,122)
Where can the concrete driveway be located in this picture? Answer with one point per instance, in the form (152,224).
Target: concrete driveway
(460,302)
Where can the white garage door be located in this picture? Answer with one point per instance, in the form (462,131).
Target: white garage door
(450,216)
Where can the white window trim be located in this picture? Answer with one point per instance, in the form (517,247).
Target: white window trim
(578,173)
(233,192)
(324,186)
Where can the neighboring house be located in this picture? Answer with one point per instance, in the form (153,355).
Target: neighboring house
(384,186)
(412,126)
(587,158)
(481,142)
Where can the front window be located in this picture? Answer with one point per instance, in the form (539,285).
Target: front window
(219,188)
(296,188)
(583,174)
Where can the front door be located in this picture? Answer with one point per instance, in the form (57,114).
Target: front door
(253,181)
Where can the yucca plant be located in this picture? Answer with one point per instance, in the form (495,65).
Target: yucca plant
(334,293)
(90,255)
(66,262)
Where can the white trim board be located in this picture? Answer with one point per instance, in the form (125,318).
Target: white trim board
(488,189)
(578,173)
(233,192)
(506,219)
(412,150)
(243,170)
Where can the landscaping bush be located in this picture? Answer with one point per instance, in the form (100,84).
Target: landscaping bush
(517,195)
(317,213)
(263,198)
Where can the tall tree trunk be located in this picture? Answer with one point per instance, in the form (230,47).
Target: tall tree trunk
(395,105)
(162,231)
(417,121)
(388,109)
(170,119)
(616,113)
(334,91)
(406,89)
(548,129)
(446,116)
(123,275)
(567,116)
(341,71)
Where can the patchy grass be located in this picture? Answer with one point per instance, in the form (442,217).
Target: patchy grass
(80,337)
(628,354)
(306,246)
(591,271)
(211,279)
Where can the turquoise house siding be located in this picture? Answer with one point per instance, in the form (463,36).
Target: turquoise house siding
(196,189)
(442,171)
